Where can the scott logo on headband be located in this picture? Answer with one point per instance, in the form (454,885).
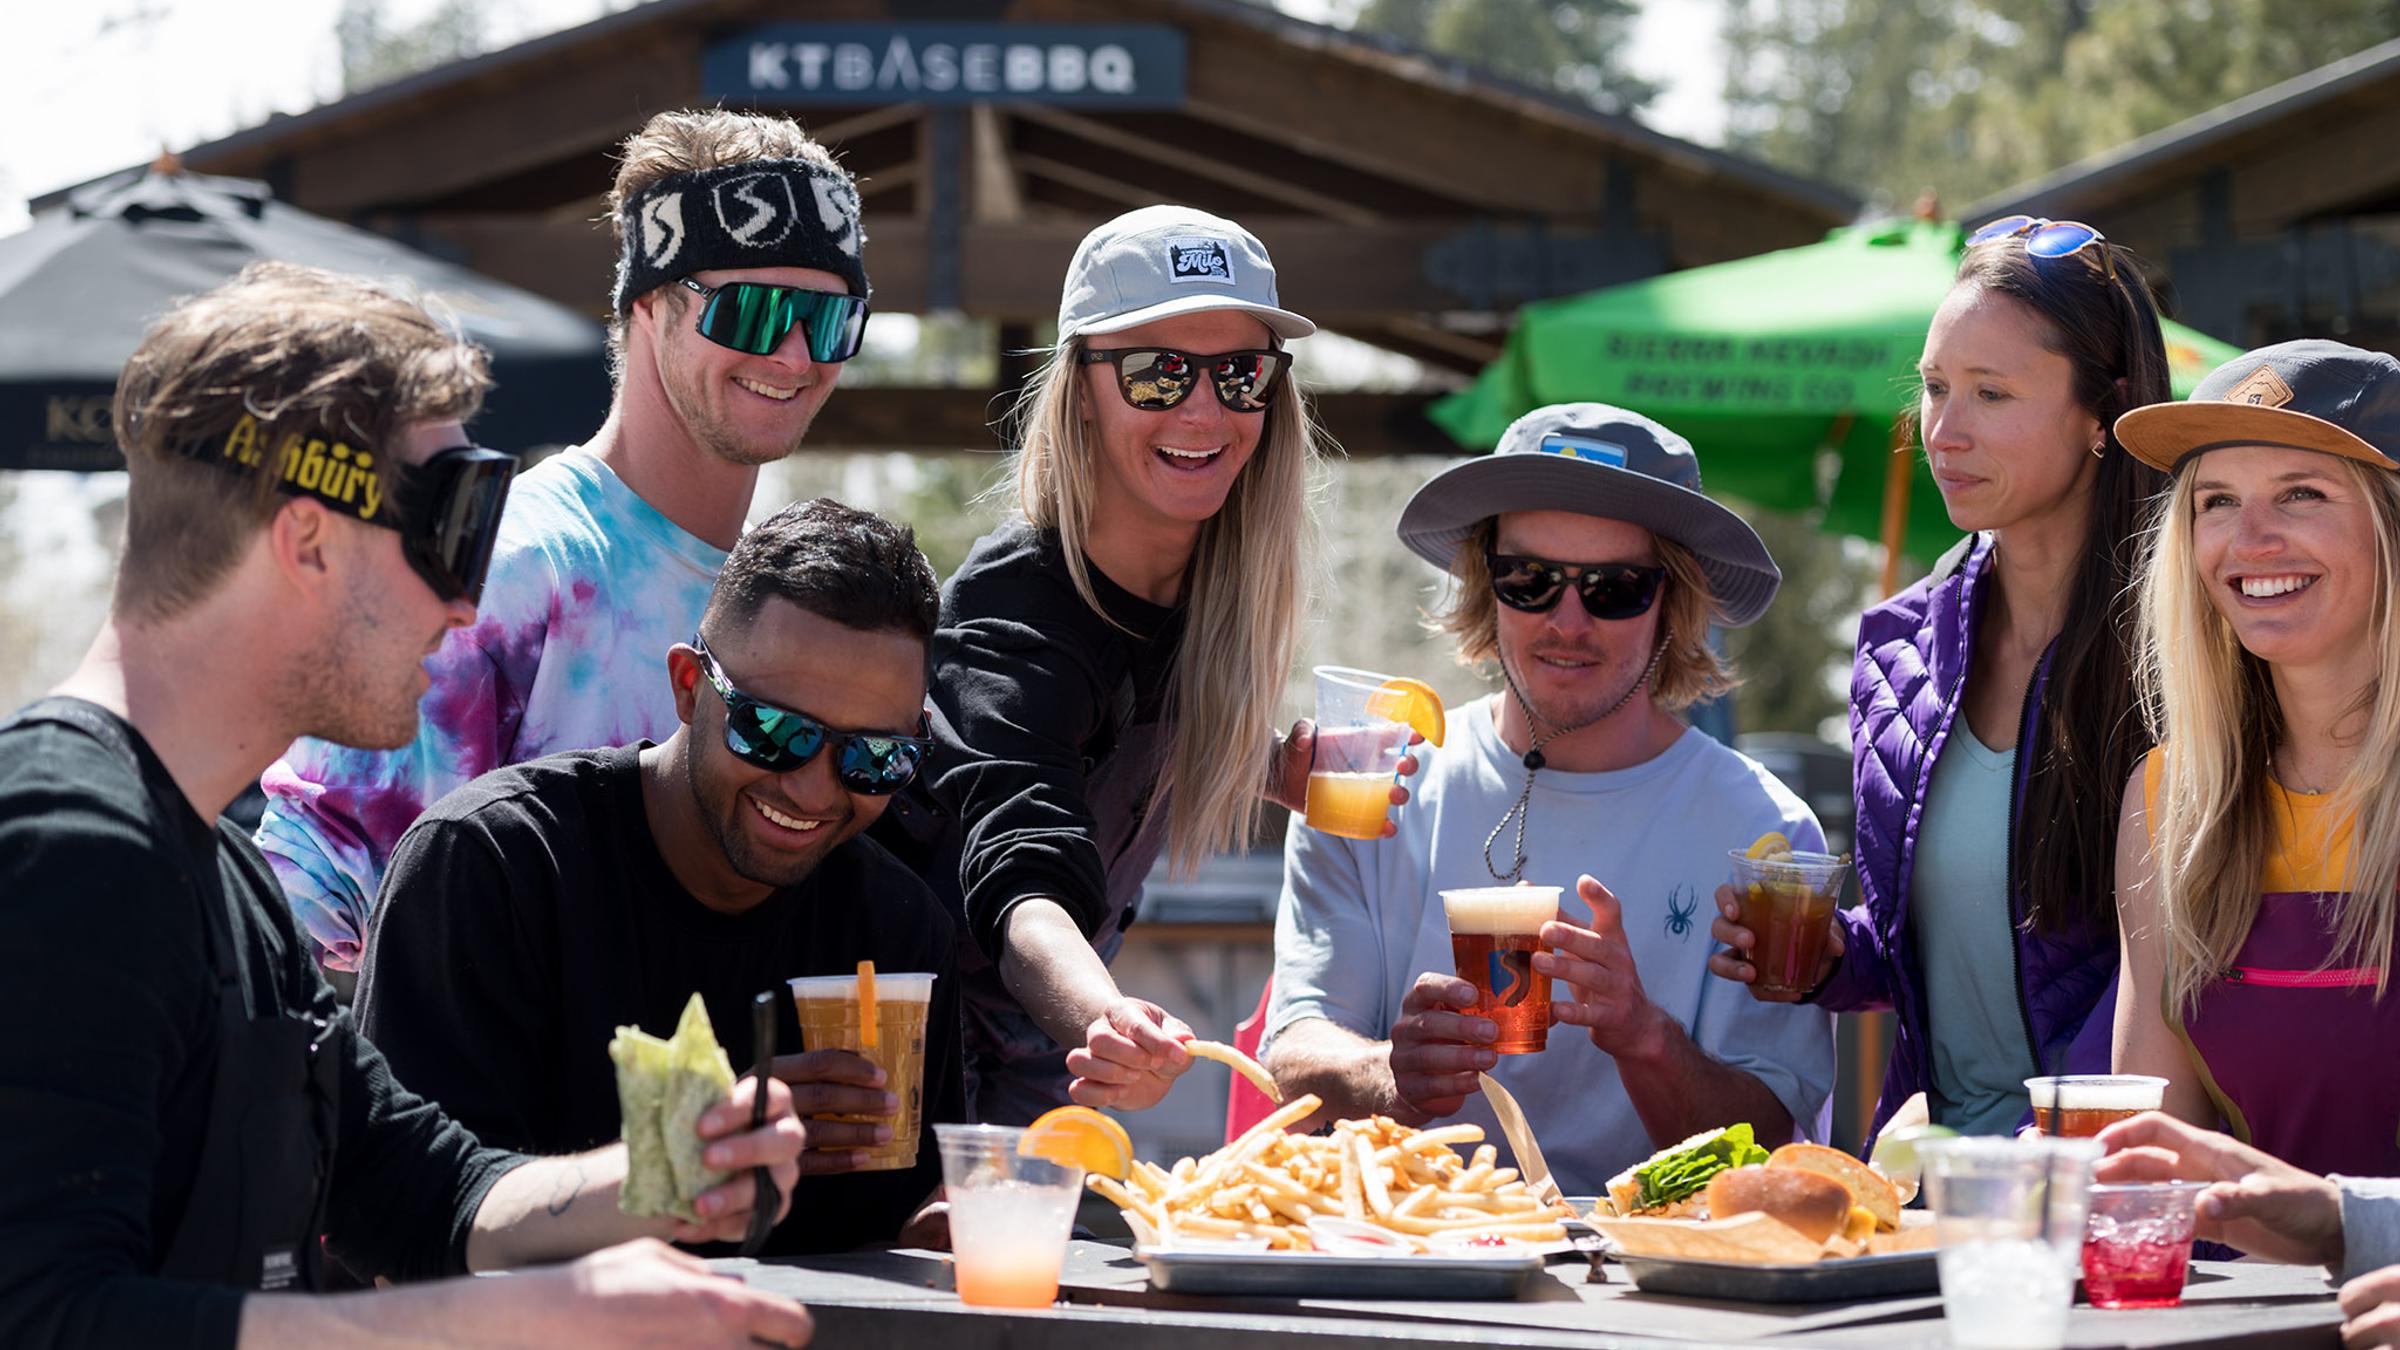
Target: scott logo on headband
(757,210)
(1199,258)
(327,469)
(662,228)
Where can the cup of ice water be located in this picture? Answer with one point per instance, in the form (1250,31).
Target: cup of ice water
(1010,1216)
(2009,1217)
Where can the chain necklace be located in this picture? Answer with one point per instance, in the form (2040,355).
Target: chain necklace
(1523,810)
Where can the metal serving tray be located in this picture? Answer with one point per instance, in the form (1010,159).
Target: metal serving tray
(1316,1275)
(1854,1277)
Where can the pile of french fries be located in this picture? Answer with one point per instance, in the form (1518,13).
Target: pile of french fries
(1268,1183)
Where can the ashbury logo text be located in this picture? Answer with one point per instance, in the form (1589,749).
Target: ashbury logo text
(1199,258)
(329,469)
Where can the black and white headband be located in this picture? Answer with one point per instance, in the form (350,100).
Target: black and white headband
(762,213)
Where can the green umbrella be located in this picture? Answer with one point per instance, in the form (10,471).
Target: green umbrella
(1771,365)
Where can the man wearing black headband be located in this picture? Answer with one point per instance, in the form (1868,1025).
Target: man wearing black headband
(188,1109)
(1588,566)
(740,290)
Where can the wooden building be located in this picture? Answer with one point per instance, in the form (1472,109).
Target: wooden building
(2275,216)
(1409,200)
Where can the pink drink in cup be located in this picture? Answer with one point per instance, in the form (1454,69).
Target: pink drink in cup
(2137,1244)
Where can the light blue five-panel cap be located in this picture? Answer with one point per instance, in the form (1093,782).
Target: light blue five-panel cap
(1596,460)
(1162,261)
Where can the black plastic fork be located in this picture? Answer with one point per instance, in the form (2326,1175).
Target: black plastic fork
(762,1039)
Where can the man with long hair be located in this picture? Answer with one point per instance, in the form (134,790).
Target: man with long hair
(1588,566)
(740,291)
(193,1122)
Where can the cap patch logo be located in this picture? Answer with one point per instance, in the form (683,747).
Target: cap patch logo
(1199,258)
(1583,448)
(2263,388)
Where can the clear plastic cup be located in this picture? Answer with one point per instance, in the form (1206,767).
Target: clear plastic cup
(2137,1244)
(828,1008)
(1357,756)
(1010,1216)
(2080,1105)
(1787,904)
(2009,1217)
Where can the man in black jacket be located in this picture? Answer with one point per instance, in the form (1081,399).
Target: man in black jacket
(187,1106)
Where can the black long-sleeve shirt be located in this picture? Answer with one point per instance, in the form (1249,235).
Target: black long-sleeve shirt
(529,914)
(108,1043)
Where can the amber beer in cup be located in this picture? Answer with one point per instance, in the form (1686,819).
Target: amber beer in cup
(2080,1105)
(829,1020)
(1787,901)
(1494,932)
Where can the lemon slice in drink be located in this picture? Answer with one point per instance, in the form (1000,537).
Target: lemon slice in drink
(1772,844)
(1411,703)
(1078,1136)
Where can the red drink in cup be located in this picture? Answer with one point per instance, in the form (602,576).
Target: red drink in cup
(2137,1244)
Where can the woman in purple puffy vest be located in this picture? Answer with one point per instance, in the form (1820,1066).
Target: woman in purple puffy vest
(2261,840)
(1992,717)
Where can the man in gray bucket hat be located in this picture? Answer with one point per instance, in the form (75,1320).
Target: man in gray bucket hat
(1588,566)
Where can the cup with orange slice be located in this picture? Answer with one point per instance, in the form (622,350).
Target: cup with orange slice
(1364,723)
(1012,1196)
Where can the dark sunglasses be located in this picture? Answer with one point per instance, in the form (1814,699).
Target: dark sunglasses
(754,317)
(1608,590)
(1155,379)
(447,510)
(780,740)
(2046,238)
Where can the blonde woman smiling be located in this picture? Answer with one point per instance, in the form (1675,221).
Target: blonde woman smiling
(1107,667)
(2260,843)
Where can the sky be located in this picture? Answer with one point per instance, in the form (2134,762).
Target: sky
(109,82)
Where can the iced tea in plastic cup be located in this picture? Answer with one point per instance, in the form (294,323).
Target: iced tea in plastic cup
(1010,1216)
(829,1020)
(1360,740)
(2137,1244)
(1787,902)
(1494,932)
(2080,1105)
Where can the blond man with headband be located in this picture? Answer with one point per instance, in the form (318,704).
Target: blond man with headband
(194,1124)
(1108,666)
(2260,842)
(1588,565)
(741,288)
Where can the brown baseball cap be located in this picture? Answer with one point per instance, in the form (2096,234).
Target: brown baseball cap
(2306,395)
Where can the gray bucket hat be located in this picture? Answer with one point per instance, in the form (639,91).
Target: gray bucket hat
(1596,460)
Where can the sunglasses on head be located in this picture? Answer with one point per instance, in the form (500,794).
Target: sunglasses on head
(1608,590)
(754,317)
(2046,238)
(1155,379)
(780,740)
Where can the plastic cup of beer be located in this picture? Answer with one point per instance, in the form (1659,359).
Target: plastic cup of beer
(1787,902)
(829,1020)
(2137,1244)
(1357,756)
(1494,932)
(1010,1216)
(2080,1105)
(2009,1220)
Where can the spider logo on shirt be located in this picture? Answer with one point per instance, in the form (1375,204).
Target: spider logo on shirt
(1682,904)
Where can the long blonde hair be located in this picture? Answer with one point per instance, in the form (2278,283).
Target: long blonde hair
(2213,706)
(1242,598)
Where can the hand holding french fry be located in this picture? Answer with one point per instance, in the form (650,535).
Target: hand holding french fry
(1131,1055)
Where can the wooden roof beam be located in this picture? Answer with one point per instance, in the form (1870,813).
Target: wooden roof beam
(1100,133)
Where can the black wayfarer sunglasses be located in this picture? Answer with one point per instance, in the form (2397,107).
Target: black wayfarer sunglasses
(780,740)
(1608,590)
(1155,379)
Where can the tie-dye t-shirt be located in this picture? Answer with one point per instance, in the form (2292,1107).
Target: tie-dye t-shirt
(589,586)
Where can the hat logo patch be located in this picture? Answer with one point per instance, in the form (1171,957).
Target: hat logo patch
(1199,258)
(1584,448)
(757,211)
(2261,388)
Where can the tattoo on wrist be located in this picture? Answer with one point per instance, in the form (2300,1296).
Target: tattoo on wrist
(564,1189)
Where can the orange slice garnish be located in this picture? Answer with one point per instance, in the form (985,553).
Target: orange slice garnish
(1078,1136)
(1411,703)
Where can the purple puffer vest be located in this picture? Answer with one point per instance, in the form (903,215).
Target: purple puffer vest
(1905,691)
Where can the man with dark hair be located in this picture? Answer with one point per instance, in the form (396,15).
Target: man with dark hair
(187,1110)
(533,911)
(741,290)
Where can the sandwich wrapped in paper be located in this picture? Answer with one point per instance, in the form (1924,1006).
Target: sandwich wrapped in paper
(1668,1183)
(1805,1203)
(663,1088)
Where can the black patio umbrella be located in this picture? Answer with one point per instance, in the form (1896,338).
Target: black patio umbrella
(80,286)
